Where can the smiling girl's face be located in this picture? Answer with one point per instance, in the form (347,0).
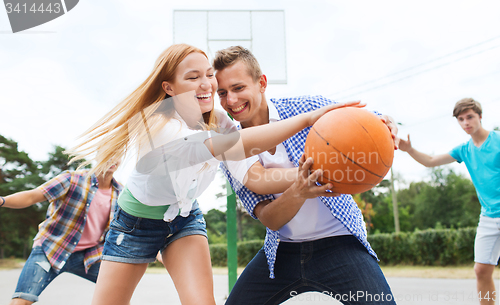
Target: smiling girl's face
(194,74)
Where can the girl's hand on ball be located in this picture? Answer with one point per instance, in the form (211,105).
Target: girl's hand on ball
(315,115)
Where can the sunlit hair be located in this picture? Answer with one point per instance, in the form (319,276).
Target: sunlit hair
(120,129)
(466,104)
(229,56)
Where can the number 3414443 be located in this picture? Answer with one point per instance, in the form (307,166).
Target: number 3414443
(42,8)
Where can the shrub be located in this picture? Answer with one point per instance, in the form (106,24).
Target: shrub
(430,247)
(246,251)
(218,254)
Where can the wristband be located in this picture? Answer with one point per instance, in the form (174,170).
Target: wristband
(3,201)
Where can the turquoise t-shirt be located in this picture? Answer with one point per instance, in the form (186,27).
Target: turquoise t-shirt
(483,164)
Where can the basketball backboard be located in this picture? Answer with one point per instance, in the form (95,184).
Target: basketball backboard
(260,31)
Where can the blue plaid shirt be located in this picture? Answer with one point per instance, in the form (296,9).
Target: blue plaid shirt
(343,207)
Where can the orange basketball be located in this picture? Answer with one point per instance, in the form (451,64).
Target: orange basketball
(353,147)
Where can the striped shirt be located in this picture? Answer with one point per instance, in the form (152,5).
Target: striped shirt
(70,195)
(343,207)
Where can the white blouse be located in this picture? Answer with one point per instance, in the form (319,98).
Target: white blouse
(179,167)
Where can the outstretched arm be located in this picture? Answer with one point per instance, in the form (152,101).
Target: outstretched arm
(277,213)
(264,181)
(424,159)
(24,199)
(255,140)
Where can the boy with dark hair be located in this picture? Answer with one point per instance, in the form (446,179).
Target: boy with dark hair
(481,155)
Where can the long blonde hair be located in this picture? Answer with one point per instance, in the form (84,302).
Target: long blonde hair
(109,139)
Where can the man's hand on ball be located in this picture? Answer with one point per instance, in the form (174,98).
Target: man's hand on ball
(305,186)
(393,127)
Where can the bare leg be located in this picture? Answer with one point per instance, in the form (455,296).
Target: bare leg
(485,283)
(188,262)
(18,301)
(116,282)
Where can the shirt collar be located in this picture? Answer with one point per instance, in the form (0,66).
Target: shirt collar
(273,112)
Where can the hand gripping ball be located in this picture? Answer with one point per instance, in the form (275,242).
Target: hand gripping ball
(353,147)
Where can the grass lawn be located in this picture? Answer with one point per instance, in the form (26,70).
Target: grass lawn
(11,263)
(448,272)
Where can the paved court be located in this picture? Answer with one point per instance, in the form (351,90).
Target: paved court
(156,289)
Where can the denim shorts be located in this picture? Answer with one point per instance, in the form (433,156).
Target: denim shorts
(137,240)
(487,243)
(37,273)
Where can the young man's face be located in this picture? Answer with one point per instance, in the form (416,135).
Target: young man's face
(240,95)
(470,121)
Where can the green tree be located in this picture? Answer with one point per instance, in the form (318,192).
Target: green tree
(17,173)
(251,229)
(56,163)
(448,200)
(216,226)
(382,218)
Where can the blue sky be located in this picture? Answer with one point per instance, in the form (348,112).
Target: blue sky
(411,60)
